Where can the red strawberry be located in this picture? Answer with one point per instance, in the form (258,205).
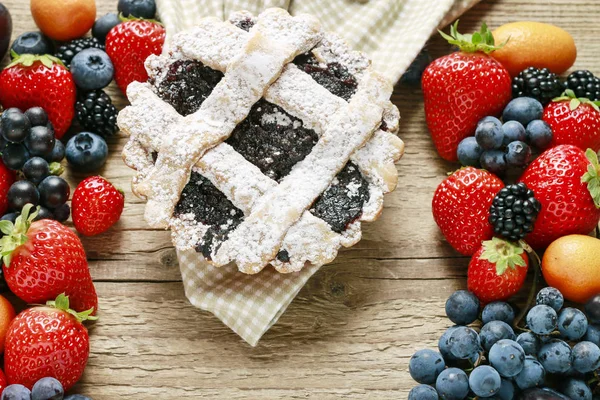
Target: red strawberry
(461,208)
(461,88)
(3,382)
(43,259)
(97,205)
(497,270)
(40,81)
(567,184)
(574,121)
(47,341)
(7,178)
(129,44)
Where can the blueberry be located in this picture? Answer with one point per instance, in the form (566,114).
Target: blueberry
(37,116)
(532,374)
(494,331)
(489,133)
(529,342)
(82,397)
(412,76)
(103,25)
(507,357)
(15,156)
(47,389)
(555,356)
(16,392)
(15,126)
(58,152)
(36,169)
(543,394)
(507,390)
(444,344)
(523,110)
(420,392)
(21,193)
(572,323)
(425,366)
(551,297)
(92,69)
(469,152)
(462,307)
(40,141)
(44,213)
(513,131)
(138,8)
(592,309)
(32,43)
(464,342)
(518,154)
(452,384)
(576,389)
(62,212)
(87,151)
(54,191)
(585,357)
(498,311)
(593,334)
(12,217)
(539,133)
(541,319)
(494,161)
(485,381)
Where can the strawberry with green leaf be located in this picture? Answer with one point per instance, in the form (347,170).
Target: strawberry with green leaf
(574,121)
(497,270)
(463,87)
(40,81)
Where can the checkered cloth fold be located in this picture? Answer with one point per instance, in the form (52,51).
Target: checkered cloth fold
(391,32)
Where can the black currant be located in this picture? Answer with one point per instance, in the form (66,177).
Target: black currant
(21,193)
(54,191)
(40,141)
(15,126)
(37,116)
(15,156)
(36,169)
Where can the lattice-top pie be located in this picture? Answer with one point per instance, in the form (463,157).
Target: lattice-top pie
(262,140)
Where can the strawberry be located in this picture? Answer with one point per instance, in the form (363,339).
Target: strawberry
(461,88)
(3,382)
(7,178)
(566,182)
(129,44)
(47,341)
(43,259)
(574,121)
(461,208)
(97,205)
(497,270)
(40,81)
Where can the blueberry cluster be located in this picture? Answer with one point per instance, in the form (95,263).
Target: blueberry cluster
(498,146)
(556,357)
(45,388)
(29,147)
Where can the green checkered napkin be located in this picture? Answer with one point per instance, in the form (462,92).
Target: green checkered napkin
(391,32)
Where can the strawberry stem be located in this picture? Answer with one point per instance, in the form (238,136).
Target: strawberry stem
(574,101)
(27,60)
(132,18)
(15,234)
(62,303)
(537,266)
(503,254)
(592,176)
(482,41)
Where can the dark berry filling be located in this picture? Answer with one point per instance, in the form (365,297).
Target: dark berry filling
(272,139)
(342,203)
(245,24)
(187,85)
(210,207)
(333,77)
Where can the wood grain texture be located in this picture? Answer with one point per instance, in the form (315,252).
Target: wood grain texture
(352,329)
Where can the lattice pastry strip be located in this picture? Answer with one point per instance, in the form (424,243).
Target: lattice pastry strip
(275,41)
(304,237)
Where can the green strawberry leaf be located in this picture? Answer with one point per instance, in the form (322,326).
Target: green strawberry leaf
(15,234)
(592,176)
(482,41)
(574,101)
(62,303)
(503,254)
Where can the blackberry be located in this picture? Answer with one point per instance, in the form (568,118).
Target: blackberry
(68,50)
(584,84)
(513,212)
(541,84)
(96,113)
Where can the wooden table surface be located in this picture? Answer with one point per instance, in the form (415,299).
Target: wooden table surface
(351,330)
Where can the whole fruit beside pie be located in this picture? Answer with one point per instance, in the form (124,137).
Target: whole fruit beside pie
(463,87)
(64,20)
(97,205)
(5,29)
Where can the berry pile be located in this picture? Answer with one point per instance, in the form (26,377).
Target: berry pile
(29,146)
(557,355)
(498,146)
(45,388)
